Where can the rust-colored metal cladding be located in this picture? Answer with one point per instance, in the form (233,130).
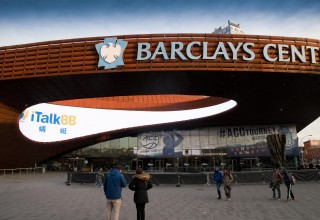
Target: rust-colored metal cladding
(274,80)
(145,102)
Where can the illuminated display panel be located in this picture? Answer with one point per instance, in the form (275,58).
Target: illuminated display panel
(51,123)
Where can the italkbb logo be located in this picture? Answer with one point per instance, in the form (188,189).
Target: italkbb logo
(40,117)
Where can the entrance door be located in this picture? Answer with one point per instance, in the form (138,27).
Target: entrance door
(195,164)
(136,164)
(159,164)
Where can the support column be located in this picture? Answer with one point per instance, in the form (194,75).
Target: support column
(277,146)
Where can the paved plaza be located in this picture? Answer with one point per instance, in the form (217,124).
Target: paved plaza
(46,196)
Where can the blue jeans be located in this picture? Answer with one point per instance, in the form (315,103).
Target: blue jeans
(218,187)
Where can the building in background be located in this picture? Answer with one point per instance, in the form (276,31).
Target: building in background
(231,28)
(312,151)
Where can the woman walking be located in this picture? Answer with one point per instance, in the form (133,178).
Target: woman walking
(287,179)
(227,180)
(140,184)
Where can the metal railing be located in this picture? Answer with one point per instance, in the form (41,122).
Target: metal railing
(22,170)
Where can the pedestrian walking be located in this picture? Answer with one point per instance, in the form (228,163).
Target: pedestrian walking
(227,180)
(113,184)
(140,184)
(288,181)
(276,181)
(99,178)
(218,178)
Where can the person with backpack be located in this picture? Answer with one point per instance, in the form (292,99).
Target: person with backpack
(276,181)
(227,180)
(218,178)
(288,180)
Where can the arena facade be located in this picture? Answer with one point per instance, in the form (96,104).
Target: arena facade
(273,80)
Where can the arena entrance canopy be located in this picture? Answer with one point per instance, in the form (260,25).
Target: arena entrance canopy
(273,80)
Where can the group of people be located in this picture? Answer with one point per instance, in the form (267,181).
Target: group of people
(141,183)
(113,184)
(224,178)
(310,165)
(280,176)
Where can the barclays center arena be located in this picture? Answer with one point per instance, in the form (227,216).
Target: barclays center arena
(164,102)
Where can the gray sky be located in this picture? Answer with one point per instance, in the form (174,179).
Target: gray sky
(26,21)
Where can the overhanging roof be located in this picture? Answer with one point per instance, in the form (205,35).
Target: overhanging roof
(266,92)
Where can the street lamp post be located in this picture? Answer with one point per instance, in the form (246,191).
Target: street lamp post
(302,148)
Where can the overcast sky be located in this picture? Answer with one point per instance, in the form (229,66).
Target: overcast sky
(27,21)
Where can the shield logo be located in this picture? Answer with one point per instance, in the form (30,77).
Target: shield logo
(111,53)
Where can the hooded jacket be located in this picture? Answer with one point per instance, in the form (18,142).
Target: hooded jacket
(113,184)
(140,184)
(217,176)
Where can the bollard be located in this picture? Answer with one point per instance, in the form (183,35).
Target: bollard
(69,178)
(208,181)
(236,182)
(178,185)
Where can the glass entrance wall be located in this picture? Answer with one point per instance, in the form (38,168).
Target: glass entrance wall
(195,150)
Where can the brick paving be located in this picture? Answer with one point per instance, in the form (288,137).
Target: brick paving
(46,196)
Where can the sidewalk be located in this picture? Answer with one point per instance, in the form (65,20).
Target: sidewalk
(46,196)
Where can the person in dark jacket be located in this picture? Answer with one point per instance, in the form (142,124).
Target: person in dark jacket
(218,178)
(288,182)
(113,184)
(140,184)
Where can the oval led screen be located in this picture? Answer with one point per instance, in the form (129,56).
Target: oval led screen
(50,123)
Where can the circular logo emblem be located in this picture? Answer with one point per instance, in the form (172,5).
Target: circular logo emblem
(149,140)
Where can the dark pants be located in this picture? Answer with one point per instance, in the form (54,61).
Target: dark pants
(289,191)
(274,188)
(218,189)
(227,190)
(140,211)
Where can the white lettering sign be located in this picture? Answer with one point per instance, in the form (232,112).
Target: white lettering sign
(240,50)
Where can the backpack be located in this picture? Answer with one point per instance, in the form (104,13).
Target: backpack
(292,179)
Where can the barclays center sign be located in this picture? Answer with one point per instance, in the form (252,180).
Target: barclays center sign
(111,52)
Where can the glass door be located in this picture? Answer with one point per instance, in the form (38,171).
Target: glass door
(159,164)
(136,164)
